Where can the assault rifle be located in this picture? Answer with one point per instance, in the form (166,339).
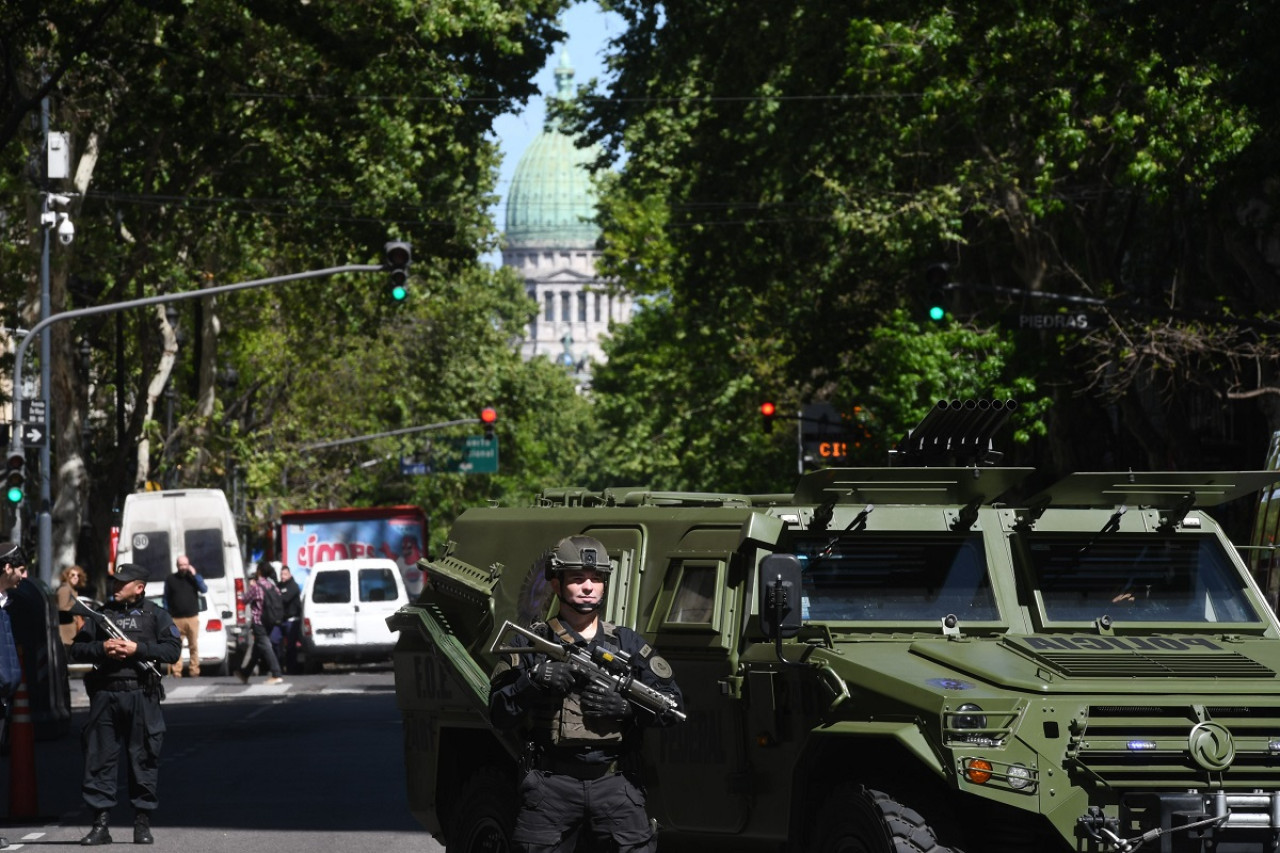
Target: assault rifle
(595,664)
(79,608)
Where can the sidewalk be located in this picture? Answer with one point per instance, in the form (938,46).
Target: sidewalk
(221,689)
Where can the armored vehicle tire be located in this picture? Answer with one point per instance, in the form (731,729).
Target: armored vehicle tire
(484,816)
(856,819)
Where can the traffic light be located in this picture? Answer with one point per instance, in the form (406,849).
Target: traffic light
(767,411)
(398,257)
(488,417)
(937,277)
(16,477)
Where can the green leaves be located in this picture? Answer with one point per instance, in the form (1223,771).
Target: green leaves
(329,129)
(792,171)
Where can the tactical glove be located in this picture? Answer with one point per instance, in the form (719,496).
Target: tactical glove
(598,700)
(554,676)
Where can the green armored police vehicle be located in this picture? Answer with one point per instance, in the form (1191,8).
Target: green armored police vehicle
(892,659)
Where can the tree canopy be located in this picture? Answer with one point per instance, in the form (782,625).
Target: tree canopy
(230,141)
(801,178)
(794,169)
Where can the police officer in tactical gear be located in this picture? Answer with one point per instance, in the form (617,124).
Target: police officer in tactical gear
(124,700)
(583,738)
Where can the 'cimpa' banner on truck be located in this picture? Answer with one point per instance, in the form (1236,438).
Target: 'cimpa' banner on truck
(397,533)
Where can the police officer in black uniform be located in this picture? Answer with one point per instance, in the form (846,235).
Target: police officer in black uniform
(124,700)
(583,738)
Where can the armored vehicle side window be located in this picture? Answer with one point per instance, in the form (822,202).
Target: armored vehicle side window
(695,598)
(1142,578)
(903,577)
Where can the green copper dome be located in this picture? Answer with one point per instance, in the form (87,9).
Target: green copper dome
(551,194)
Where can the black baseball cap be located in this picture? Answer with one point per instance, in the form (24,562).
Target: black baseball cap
(129,572)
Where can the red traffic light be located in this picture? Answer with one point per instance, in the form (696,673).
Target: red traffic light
(488,417)
(767,411)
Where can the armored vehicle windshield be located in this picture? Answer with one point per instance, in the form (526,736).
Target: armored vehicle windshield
(894,577)
(1180,579)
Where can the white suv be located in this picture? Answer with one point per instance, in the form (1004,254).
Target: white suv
(345,606)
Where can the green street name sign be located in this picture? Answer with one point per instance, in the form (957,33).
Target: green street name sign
(473,454)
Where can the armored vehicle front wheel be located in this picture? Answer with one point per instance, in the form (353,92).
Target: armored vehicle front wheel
(856,819)
(484,815)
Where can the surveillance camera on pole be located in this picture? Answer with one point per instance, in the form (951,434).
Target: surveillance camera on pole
(59,220)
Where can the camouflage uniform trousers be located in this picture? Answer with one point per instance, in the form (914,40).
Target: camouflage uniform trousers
(556,808)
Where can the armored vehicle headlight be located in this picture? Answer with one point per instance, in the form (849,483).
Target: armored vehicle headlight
(978,770)
(1018,777)
(969,716)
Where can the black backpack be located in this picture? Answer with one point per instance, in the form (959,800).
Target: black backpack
(272,607)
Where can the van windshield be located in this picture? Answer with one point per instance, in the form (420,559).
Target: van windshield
(204,549)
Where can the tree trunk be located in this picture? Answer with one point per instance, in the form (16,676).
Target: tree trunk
(154,389)
(207,391)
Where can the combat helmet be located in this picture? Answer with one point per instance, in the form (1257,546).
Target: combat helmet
(577,552)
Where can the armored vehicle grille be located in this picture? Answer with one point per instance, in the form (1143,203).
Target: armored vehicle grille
(1140,665)
(1149,746)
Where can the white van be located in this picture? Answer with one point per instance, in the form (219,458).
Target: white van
(157,527)
(345,605)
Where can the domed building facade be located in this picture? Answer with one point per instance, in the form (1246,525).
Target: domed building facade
(551,243)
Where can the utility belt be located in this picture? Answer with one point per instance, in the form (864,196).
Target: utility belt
(568,764)
(117,685)
(94,683)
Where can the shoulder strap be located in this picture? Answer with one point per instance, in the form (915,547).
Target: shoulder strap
(560,630)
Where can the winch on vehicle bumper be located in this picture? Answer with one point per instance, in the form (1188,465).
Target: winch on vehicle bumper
(1188,822)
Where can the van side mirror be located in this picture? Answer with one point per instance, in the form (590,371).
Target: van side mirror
(780,596)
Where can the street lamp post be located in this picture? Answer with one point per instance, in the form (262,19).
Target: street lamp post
(45,527)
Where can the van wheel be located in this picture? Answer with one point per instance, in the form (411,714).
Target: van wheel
(860,820)
(310,666)
(223,669)
(485,814)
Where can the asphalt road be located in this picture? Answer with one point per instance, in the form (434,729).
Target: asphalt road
(310,765)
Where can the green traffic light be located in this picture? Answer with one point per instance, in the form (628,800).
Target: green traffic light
(14,494)
(399,292)
(936,313)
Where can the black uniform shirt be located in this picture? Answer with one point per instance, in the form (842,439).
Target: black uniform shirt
(145,623)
